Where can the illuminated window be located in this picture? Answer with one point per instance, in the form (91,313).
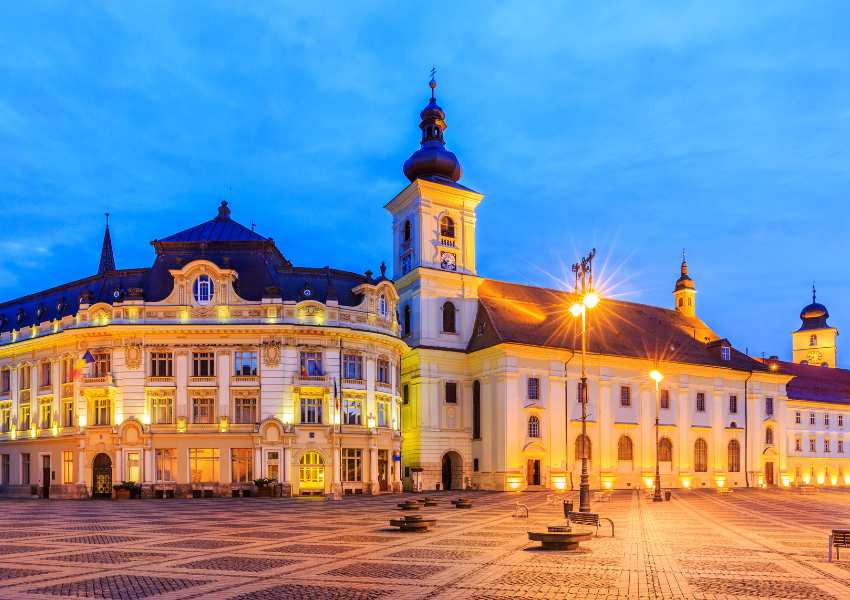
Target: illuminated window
(311,410)
(352,411)
(203,409)
(242,465)
(447,227)
(273,465)
(533,427)
(68,412)
(352,464)
(134,467)
(102,365)
(382,306)
(734,458)
(245,409)
(725,353)
(383,413)
(5,417)
(203,465)
(625,448)
(311,364)
(24,417)
(166,464)
(67,466)
(700,456)
(45,413)
(203,290)
(162,410)
(533,388)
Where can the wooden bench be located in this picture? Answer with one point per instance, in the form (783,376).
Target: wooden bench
(589,519)
(839,538)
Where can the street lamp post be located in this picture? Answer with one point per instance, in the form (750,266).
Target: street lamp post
(587,300)
(656,375)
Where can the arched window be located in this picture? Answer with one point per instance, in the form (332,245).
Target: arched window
(690,301)
(203,290)
(681,301)
(406,317)
(665,450)
(813,340)
(533,427)
(382,306)
(583,449)
(476,410)
(407,231)
(700,456)
(768,435)
(449,318)
(734,458)
(624,448)
(447,227)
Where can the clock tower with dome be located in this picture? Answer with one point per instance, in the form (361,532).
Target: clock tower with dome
(815,342)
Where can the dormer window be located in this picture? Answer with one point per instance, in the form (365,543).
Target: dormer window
(725,352)
(382,306)
(447,227)
(203,290)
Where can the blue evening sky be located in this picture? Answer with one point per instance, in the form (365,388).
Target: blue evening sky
(722,127)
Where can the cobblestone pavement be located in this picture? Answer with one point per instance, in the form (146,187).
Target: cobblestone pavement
(750,544)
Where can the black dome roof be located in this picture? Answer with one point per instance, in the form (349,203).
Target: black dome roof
(814,315)
(432,159)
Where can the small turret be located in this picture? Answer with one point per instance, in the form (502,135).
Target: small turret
(685,292)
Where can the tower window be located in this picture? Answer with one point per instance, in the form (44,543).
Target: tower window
(407,231)
(768,436)
(681,301)
(813,340)
(447,227)
(449,318)
(406,313)
(733,404)
(690,301)
(533,427)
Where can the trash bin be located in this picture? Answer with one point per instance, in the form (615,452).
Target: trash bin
(568,508)
(667,495)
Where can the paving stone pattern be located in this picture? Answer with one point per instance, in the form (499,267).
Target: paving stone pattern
(748,545)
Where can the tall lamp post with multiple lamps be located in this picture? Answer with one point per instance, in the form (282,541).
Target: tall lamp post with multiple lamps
(656,376)
(586,300)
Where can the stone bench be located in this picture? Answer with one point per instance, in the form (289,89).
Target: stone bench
(462,503)
(415,523)
(409,505)
(428,501)
(560,537)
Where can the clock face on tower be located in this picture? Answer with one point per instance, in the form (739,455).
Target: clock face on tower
(814,357)
(448,262)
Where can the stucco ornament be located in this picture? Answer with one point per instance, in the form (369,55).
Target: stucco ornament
(271,352)
(133,356)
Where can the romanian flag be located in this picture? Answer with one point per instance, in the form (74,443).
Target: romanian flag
(82,364)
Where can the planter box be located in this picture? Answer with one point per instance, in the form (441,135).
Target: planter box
(121,494)
(266,492)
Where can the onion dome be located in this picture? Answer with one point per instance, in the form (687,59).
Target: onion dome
(432,159)
(814,315)
(684,282)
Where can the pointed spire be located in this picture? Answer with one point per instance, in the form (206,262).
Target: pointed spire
(814,293)
(684,268)
(107,258)
(684,280)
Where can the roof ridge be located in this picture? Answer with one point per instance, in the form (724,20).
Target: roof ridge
(70,284)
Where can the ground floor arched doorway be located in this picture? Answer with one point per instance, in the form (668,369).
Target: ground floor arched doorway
(102,476)
(311,473)
(452,471)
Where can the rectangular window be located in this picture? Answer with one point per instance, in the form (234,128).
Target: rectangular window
(826,419)
(67,466)
(5,417)
(352,464)
(405,394)
(383,413)
(383,375)
(841,420)
(45,413)
(67,369)
(102,365)
(625,395)
(797,417)
(273,465)
(26,468)
(5,381)
(5,470)
(451,392)
(203,364)
(725,352)
(798,445)
(475,464)
(203,465)
(533,388)
(812,447)
(352,367)
(25,376)
(733,404)
(841,446)
(311,411)
(242,465)
(24,417)
(134,467)
(44,378)
(700,401)
(826,446)
(311,364)
(579,394)
(102,411)
(203,409)
(245,364)
(811,418)
(162,410)
(664,399)
(166,464)
(768,406)
(68,412)
(352,411)
(245,409)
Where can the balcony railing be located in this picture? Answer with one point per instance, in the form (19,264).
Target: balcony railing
(383,385)
(353,381)
(244,380)
(160,381)
(97,380)
(203,381)
(447,242)
(312,379)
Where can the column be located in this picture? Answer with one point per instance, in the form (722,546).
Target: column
(373,470)
(718,446)
(287,464)
(682,450)
(181,379)
(56,388)
(223,370)
(13,392)
(605,415)
(81,467)
(148,473)
(259,471)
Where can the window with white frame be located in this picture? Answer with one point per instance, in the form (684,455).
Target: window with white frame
(203,290)
(352,464)
(245,363)
(826,447)
(797,417)
(533,426)
(162,409)
(45,413)
(102,411)
(5,417)
(733,404)
(533,388)
(383,413)
(203,364)
(625,395)
(203,409)
(24,416)
(811,418)
(700,401)
(383,372)
(311,364)
(812,447)
(245,409)
(165,460)
(352,366)
(134,466)
(162,364)
(382,306)
(311,410)
(102,365)
(68,466)
(352,410)
(725,353)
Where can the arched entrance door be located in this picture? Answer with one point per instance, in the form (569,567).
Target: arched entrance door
(311,473)
(102,476)
(452,471)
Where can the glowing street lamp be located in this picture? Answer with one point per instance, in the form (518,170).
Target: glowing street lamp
(656,376)
(584,290)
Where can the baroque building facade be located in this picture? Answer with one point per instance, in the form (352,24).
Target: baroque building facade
(491,385)
(221,364)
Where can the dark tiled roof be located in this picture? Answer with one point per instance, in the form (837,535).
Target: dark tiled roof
(513,313)
(215,230)
(813,383)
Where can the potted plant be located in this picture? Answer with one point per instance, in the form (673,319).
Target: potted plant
(127,489)
(265,487)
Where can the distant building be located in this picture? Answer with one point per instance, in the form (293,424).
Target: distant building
(220,364)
